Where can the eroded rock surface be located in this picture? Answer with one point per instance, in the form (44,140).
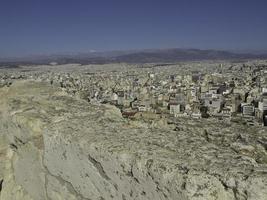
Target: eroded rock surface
(53,146)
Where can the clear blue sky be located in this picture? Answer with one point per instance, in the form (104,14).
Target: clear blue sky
(57,26)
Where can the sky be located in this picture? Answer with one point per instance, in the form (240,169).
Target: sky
(33,27)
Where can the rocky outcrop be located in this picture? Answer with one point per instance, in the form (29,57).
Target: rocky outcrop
(54,147)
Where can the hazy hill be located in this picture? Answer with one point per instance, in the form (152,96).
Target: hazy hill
(134,56)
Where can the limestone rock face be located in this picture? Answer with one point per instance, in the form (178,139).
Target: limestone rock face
(56,147)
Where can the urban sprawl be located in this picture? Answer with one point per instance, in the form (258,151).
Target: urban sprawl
(229,91)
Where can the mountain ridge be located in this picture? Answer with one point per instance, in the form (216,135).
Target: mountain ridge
(134,56)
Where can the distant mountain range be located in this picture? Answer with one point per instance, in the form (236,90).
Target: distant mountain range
(134,56)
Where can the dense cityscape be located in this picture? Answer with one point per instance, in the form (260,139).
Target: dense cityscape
(235,92)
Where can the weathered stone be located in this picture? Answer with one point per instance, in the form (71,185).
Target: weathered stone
(59,147)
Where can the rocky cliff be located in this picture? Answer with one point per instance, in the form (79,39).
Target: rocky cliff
(53,146)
